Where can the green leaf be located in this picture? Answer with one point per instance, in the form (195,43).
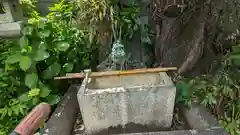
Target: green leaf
(25,63)
(21,111)
(42,46)
(13,59)
(62,46)
(236,49)
(213,100)
(182,92)
(34,92)
(41,25)
(44,91)
(41,55)
(91,36)
(201,86)
(3,112)
(51,60)
(15,110)
(52,71)
(44,33)
(27,30)
(9,112)
(127,21)
(182,88)
(31,80)
(147,40)
(35,101)
(68,67)
(204,102)
(235,56)
(23,42)
(53,99)
(135,27)
(2,84)
(236,62)
(24,97)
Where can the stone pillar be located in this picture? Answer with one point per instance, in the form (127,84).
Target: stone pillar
(10,19)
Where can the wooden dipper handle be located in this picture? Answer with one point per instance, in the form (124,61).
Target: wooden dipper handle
(116,73)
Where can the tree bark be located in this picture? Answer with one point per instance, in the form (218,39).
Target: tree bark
(184,40)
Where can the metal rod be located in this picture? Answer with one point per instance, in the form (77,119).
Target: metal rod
(112,73)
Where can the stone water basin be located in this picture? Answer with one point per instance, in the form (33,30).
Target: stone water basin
(123,101)
(67,120)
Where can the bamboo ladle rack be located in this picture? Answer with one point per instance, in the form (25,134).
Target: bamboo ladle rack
(116,73)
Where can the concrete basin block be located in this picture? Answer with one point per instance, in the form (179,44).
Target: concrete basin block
(10,11)
(110,101)
(8,30)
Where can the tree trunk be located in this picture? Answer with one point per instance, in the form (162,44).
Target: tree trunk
(184,40)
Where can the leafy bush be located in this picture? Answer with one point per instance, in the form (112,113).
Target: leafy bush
(49,47)
(62,41)
(219,92)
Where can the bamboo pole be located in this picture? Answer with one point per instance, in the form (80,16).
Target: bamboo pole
(115,73)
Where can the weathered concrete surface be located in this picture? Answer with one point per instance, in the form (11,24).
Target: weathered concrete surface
(219,131)
(10,21)
(200,121)
(184,132)
(199,118)
(62,120)
(140,99)
(210,124)
(7,17)
(13,12)
(8,30)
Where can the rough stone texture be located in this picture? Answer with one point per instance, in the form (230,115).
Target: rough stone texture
(184,132)
(43,6)
(219,131)
(10,22)
(10,29)
(182,45)
(199,118)
(119,100)
(13,12)
(195,115)
(62,120)
(7,17)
